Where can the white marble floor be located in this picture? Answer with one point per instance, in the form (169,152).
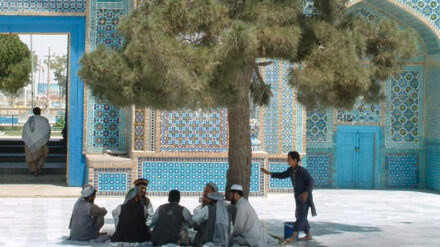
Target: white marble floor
(345,218)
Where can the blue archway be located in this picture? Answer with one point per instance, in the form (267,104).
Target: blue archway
(75,27)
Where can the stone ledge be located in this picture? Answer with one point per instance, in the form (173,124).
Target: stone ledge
(108,161)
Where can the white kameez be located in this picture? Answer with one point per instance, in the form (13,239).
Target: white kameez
(247,226)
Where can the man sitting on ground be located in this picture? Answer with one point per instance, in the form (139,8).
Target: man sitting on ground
(170,220)
(148,207)
(131,226)
(213,221)
(87,218)
(248,230)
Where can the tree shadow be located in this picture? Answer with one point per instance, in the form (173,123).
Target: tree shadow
(276,227)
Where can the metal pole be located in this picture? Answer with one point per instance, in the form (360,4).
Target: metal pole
(32,73)
(48,79)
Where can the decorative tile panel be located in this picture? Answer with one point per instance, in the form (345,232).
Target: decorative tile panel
(433,165)
(320,128)
(402,170)
(190,175)
(187,131)
(106,124)
(287,117)
(32,6)
(271,112)
(139,119)
(428,8)
(279,185)
(362,113)
(112,181)
(318,166)
(404,116)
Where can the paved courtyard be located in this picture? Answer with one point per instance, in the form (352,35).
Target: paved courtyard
(345,218)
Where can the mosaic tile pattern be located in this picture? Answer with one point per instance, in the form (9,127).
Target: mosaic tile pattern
(190,175)
(319,128)
(139,120)
(402,170)
(60,6)
(111,181)
(106,124)
(186,131)
(152,130)
(279,185)
(428,8)
(404,116)
(318,166)
(271,112)
(433,165)
(362,113)
(287,117)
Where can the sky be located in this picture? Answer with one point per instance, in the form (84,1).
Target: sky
(41,43)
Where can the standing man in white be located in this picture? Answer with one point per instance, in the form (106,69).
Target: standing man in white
(36,135)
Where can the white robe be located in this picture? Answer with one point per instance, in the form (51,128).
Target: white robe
(248,226)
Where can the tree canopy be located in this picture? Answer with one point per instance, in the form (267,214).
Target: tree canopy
(207,53)
(192,53)
(15,64)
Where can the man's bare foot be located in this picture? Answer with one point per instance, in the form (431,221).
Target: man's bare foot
(293,238)
(307,237)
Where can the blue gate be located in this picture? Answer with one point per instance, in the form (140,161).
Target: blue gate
(357,156)
(75,27)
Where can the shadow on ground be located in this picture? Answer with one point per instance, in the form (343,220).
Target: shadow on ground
(276,227)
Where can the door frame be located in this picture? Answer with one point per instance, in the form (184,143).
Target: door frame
(75,28)
(362,129)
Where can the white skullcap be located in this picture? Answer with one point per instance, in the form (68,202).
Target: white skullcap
(88,191)
(213,186)
(237,187)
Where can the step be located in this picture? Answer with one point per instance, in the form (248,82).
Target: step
(25,171)
(6,142)
(24,165)
(20,149)
(30,179)
(7,157)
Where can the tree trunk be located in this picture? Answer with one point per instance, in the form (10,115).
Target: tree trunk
(240,150)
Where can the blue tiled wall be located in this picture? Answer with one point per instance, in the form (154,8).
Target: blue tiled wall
(189,175)
(112,182)
(402,170)
(432,143)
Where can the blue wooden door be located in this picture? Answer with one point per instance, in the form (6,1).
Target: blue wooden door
(356,155)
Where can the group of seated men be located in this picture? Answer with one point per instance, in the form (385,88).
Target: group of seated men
(216,222)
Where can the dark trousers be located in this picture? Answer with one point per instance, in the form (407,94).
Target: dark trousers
(301,211)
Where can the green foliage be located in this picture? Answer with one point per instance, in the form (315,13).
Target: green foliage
(58,65)
(15,64)
(203,53)
(59,123)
